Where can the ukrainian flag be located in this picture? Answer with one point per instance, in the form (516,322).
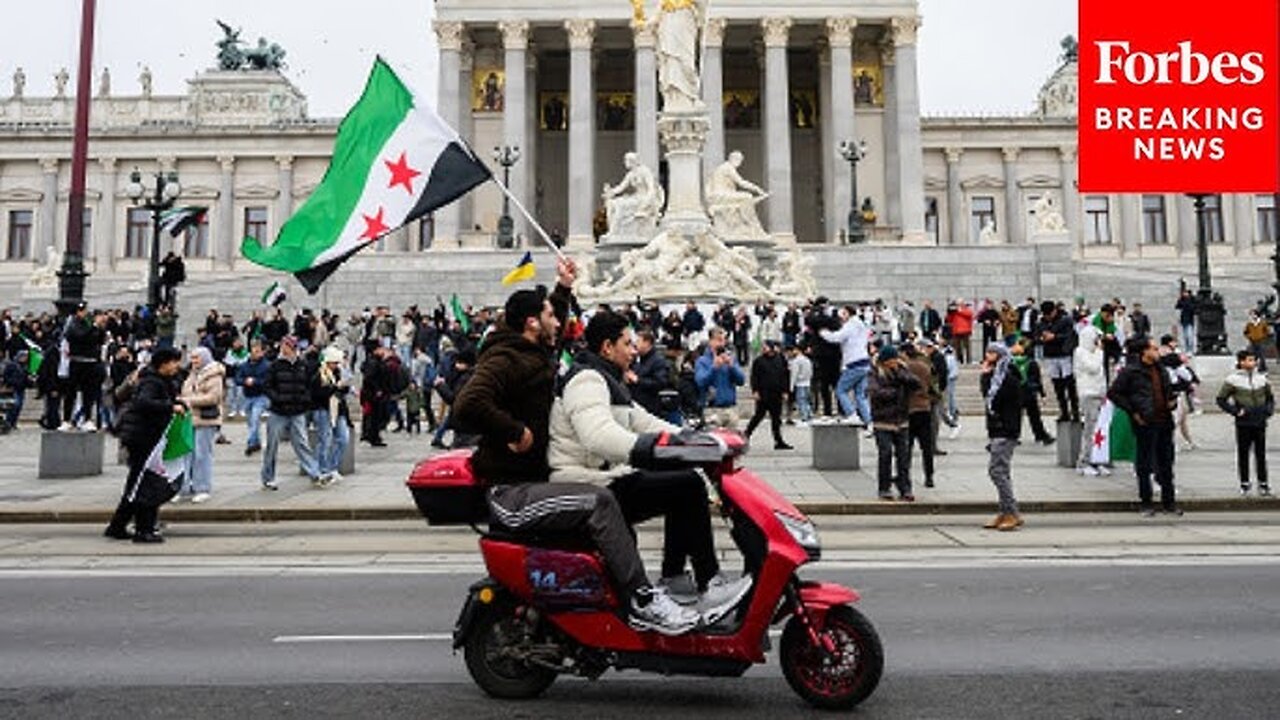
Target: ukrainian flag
(526,270)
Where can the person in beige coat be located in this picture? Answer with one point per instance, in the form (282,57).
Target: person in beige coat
(202,391)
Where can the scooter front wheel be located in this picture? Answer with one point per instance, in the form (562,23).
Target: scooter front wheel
(493,657)
(841,679)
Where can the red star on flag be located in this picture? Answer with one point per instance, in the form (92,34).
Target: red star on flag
(1098,438)
(374,227)
(401,173)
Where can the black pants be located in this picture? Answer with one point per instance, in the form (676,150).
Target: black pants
(1031,404)
(743,353)
(144,517)
(921,431)
(1155,457)
(824,386)
(1064,391)
(373,423)
(988,335)
(84,381)
(772,406)
(894,446)
(680,498)
(573,508)
(1246,438)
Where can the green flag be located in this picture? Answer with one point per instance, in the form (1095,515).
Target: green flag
(460,313)
(180,439)
(35,358)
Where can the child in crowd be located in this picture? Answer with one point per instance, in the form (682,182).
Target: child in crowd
(1246,396)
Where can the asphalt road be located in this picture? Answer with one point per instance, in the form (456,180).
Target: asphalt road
(1177,641)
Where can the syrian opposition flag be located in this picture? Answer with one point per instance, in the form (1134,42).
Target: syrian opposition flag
(165,471)
(177,219)
(1112,437)
(394,161)
(35,356)
(274,295)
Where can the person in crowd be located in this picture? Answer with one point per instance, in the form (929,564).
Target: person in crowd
(1189,383)
(376,392)
(718,376)
(930,321)
(288,388)
(202,392)
(82,338)
(989,320)
(1186,307)
(151,405)
(673,330)
(237,354)
(1028,318)
(1091,384)
(825,356)
(599,435)
(692,399)
(801,380)
(920,407)
(1008,321)
(1256,332)
(406,331)
(1147,391)
(173,272)
(166,322)
(1032,388)
(423,371)
(770,383)
(1140,321)
(13,381)
(251,377)
(742,336)
(329,389)
(853,337)
(398,376)
(1002,398)
(770,327)
(448,386)
(889,386)
(791,326)
(49,387)
(414,402)
(960,321)
(1247,397)
(1056,335)
(651,374)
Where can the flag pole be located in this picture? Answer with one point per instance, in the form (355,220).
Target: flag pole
(541,233)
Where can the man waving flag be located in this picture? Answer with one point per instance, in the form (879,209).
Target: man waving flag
(394,162)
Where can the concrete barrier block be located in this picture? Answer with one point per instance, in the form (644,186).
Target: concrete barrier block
(835,447)
(70,454)
(1068,442)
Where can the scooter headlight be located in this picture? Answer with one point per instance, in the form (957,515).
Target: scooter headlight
(804,533)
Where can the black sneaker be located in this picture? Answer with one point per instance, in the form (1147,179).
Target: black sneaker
(117,534)
(1173,510)
(1264,491)
(928,482)
(148,538)
(782,446)
(1147,511)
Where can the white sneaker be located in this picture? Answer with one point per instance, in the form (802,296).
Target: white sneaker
(88,426)
(802,423)
(1087,470)
(722,596)
(660,614)
(66,427)
(200,497)
(1104,471)
(954,432)
(330,478)
(680,588)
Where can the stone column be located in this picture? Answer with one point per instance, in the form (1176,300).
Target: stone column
(713,92)
(582,156)
(529,165)
(1182,231)
(104,223)
(832,162)
(1130,224)
(840,86)
(957,228)
(48,219)
(1014,227)
(466,127)
(515,41)
(647,94)
(284,180)
(1245,222)
(778,108)
(910,152)
(449,35)
(1070,195)
(892,158)
(224,250)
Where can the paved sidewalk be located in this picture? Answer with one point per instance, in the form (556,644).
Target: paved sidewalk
(1206,480)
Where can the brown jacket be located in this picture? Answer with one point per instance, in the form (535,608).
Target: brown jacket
(920,399)
(202,390)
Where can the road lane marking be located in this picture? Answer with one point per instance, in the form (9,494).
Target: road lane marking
(427,637)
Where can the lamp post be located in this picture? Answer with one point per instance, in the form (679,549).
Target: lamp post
(506,156)
(162,198)
(853,153)
(1211,337)
(72,274)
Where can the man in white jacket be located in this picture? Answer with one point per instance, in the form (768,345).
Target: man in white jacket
(1091,384)
(599,435)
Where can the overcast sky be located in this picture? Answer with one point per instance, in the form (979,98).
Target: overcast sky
(976,56)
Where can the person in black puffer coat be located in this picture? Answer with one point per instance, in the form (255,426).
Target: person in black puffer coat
(288,387)
(151,406)
(1002,395)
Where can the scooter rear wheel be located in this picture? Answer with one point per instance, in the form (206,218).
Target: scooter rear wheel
(839,681)
(488,654)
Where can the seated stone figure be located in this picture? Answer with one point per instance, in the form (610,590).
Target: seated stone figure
(731,201)
(46,275)
(1048,218)
(634,206)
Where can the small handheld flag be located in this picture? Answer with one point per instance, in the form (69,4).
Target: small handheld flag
(526,270)
(1112,437)
(459,313)
(177,219)
(274,295)
(35,356)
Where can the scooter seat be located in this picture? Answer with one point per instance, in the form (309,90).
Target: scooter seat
(569,541)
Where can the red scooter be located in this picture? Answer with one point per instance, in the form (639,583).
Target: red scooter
(548,608)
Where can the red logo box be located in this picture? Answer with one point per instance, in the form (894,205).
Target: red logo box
(1179,97)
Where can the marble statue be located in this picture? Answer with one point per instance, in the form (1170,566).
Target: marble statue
(19,82)
(731,201)
(987,236)
(145,81)
(60,83)
(46,275)
(104,83)
(1048,218)
(792,278)
(679,25)
(675,266)
(633,206)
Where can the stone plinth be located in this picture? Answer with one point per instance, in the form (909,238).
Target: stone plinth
(1068,442)
(835,447)
(70,454)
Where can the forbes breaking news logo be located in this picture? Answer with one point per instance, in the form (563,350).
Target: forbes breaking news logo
(1175,99)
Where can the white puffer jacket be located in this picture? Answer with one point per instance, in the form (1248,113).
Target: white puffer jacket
(1087,364)
(591,439)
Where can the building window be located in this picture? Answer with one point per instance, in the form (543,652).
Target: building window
(255,225)
(1213,218)
(86,230)
(137,236)
(983,214)
(195,239)
(20,222)
(1155,231)
(1267,225)
(426,232)
(931,219)
(1097,219)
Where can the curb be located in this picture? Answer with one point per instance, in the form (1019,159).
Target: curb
(389,513)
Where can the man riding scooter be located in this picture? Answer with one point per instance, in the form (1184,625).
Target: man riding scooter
(600,436)
(508,403)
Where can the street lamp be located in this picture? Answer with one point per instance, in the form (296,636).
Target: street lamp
(506,156)
(1211,325)
(853,154)
(163,197)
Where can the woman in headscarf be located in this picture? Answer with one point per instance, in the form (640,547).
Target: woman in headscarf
(202,391)
(1002,393)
